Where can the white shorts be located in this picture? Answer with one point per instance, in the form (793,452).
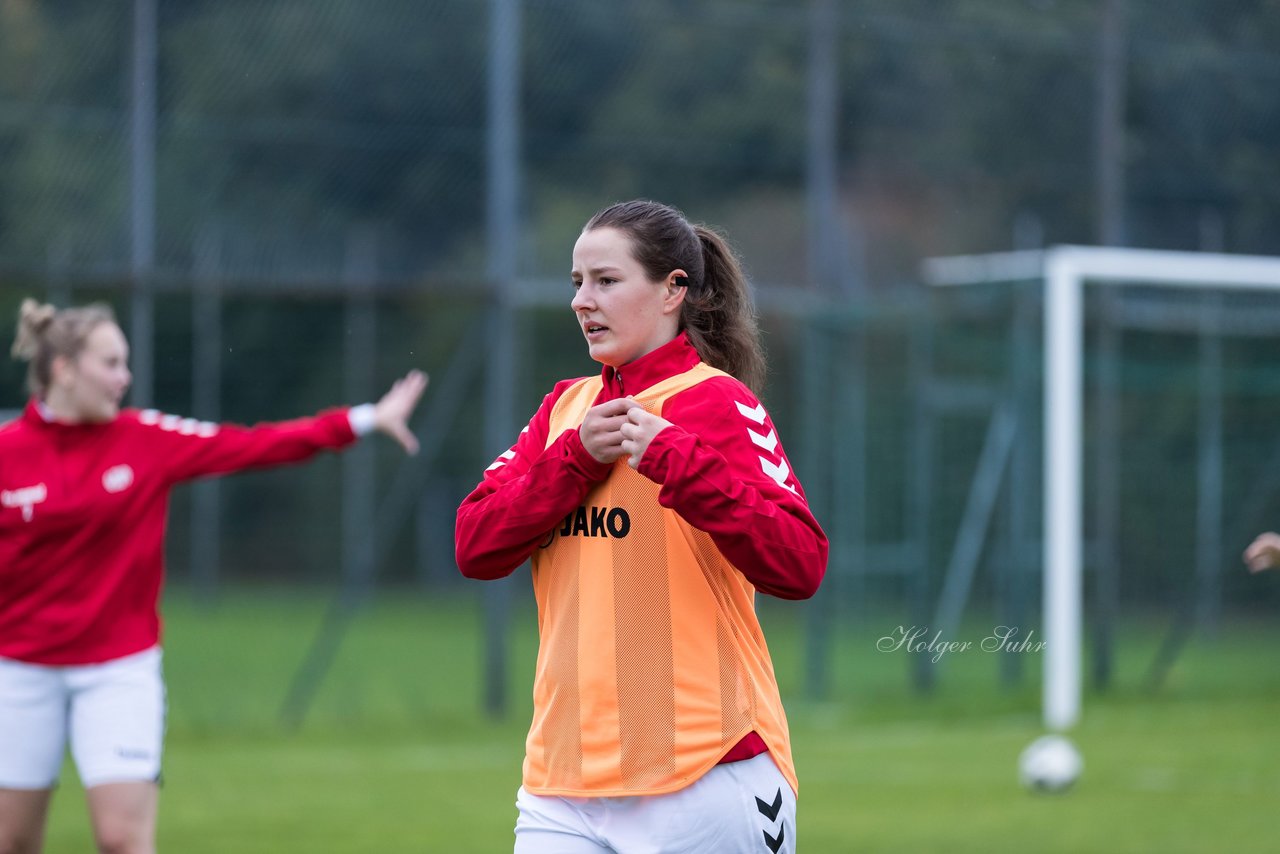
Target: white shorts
(112,714)
(737,808)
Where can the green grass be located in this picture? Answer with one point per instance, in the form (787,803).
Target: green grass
(394,755)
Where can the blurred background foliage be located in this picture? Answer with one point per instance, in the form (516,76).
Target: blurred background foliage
(959,123)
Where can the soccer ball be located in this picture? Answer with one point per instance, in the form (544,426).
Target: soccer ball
(1051,763)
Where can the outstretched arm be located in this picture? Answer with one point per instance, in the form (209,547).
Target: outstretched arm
(193,448)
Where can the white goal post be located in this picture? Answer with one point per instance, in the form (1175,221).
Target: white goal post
(1065,270)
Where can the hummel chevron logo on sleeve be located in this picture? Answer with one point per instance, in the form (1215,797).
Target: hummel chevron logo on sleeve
(778,472)
(756,414)
(769,443)
(502,459)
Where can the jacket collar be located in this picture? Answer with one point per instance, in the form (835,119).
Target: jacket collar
(674,357)
(37,414)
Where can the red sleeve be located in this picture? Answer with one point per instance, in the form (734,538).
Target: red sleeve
(192,449)
(723,469)
(523,496)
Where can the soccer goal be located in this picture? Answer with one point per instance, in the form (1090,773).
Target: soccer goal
(1063,273)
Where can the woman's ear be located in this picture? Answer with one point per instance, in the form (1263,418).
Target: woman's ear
(61,371)
(677,287)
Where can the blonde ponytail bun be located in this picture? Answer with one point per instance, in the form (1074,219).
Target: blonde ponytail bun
(33,320)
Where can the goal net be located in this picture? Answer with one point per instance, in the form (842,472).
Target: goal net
(1215,312)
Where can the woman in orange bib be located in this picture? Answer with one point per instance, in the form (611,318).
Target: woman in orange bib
(654,500)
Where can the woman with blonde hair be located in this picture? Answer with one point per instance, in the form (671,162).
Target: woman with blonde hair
(84,489)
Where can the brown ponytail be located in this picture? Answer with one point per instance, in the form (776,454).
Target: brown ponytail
(45,332)
(719,317)
(717,314)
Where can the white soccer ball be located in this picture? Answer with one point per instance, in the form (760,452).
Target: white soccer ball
(1051,763)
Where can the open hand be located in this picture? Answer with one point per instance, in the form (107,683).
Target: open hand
(391,413)
(1263,552)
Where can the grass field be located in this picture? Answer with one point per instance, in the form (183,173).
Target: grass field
(395,756)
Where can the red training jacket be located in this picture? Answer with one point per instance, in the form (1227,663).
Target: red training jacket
(720,465)
(82,518)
